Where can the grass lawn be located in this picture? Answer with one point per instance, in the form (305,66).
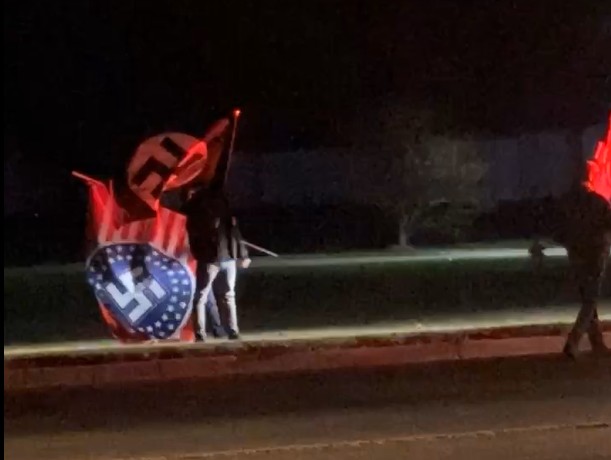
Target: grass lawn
(57,305)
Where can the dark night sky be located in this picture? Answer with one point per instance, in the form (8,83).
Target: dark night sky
(86,80)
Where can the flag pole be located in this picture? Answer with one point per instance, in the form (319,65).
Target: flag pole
(260,249)
(86,178)
(235,114)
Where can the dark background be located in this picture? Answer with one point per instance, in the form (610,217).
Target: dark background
(85,81)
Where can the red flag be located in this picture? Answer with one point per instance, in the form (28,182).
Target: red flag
(140,267)
(142,272)
(599,167)
(149,170)
(212,169)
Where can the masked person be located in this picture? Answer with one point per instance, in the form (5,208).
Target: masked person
(584,229)
(217,246)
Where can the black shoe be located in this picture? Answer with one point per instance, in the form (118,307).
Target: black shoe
(199,337)
(570,351)
(233,335)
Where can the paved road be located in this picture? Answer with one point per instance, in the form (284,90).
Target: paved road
(539,408)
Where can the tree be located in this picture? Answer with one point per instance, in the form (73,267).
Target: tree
(423,167)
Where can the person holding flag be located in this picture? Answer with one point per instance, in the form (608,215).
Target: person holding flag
(580,220)
(214,237)
(586,234)
(140,266)
(218,248)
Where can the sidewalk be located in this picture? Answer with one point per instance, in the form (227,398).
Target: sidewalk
(99,364)
(560,316)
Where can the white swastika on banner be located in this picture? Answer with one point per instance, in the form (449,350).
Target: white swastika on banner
(144,289)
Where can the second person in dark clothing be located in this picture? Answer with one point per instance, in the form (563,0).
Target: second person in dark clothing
(585,232)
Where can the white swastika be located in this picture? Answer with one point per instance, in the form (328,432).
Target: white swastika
(135,296)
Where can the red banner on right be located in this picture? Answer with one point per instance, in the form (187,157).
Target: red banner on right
(599,167)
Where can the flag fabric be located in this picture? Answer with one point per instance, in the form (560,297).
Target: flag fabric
(599,167)
(212,169)
(142,273)
(149,169)
(140,267)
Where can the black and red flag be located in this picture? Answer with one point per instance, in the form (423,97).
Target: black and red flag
(140,267)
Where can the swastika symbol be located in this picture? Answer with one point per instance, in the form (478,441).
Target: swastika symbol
(136,299)
(144,289)
(155,160)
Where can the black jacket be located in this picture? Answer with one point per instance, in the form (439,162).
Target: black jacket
(213,232)
(581,220)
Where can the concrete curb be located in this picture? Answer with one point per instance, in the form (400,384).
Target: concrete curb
(184,362)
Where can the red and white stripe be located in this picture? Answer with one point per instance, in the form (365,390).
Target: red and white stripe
(166,231)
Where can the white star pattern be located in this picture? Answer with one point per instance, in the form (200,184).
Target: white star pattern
(145,272)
